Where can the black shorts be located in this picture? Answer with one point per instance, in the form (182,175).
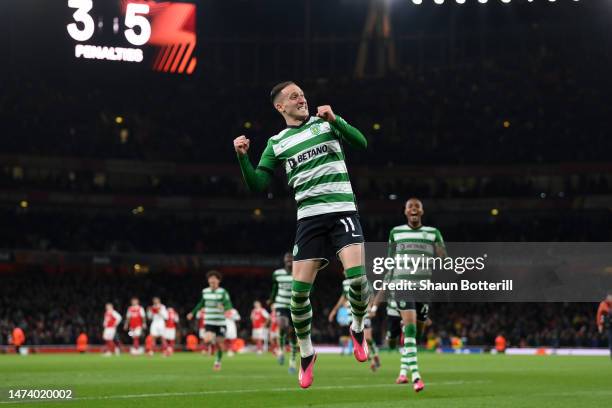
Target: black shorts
(316,234)
(394,327)
(422,309)
(284,313)
(218,330)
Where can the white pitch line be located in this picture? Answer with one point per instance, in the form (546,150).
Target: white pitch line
(198,393)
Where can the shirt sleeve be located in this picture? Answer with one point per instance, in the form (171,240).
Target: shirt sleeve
(257,179)
(439,242)
(348,133)
(227,303)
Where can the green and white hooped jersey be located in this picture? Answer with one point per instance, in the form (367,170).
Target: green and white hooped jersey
(414,243)
(216,302)
(314,162)
(283,281)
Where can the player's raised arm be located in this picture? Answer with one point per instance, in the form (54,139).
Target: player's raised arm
(257,179)
(348,133)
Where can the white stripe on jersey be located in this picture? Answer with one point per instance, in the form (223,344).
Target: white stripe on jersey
(298,138)
(335,167)
(414,235)
(326,208)
(325,188)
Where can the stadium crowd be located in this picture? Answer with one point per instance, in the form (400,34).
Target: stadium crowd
(59,306)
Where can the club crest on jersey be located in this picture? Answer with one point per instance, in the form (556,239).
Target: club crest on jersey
(315,129)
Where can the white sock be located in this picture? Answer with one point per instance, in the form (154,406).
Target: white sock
(357,325)
(306,348)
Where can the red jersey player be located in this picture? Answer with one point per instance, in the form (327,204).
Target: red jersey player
(158,314)
(170,331)
(259,319)
(604,318)
(274,331)
(134,324)
(111,321)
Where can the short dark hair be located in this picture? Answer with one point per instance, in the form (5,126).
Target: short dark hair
(214,273)
(278,88)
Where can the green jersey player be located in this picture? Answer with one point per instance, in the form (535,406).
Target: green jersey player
(280,300)
(217,306)
(311,151)
(412,239)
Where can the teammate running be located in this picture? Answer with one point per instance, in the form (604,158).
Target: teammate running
(412,239)
(310,150)
(217,305)
(280,299)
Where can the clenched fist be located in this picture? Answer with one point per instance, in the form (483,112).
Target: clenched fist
(326,113)
(241,145)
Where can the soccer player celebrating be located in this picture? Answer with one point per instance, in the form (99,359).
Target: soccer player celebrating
(111,320)
(280,300)
(134,324)
(217,306)
(158,314)
(310,150)
(170,331)
(412,239)
(259,320)
(604,318)
(367,331)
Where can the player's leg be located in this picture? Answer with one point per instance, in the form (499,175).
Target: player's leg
(108,335)
(220,348)
(304,273)
(283,329)
(292,343)
(394,331)
(373,356)
(258,340)
(409,360)
(423,320)
(352,258)
(209,338)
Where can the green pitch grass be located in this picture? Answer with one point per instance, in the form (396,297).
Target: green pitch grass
(187,380)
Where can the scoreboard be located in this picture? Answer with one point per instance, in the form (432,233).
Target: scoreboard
(158,35)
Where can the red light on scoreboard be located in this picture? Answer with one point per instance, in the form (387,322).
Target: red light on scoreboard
(160,34)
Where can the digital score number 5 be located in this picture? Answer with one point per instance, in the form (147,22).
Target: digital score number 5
(134,17)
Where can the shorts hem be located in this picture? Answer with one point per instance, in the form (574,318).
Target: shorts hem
(316,259)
